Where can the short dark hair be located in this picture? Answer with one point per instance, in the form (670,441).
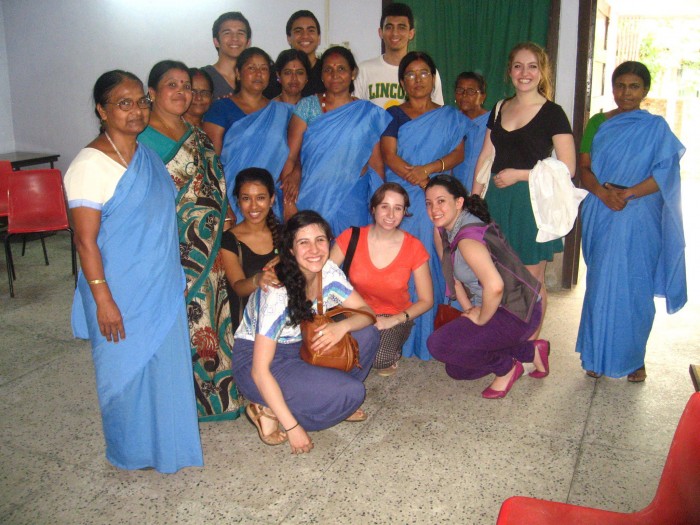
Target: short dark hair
(472,75)
(346,54)
(397,9)
(303,13)
(633,68)
(161,68)
(231,15)
(200,71)
(378,196)
(246,55)
(416,55)
(286,56)
(106,83)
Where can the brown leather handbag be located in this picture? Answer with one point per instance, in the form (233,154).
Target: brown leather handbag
(345,354)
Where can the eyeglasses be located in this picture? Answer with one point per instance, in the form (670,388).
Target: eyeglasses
(204,93)
(469,91)
(412,75)
(127,104)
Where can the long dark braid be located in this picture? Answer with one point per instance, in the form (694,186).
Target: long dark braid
(472,203)
(273,224)
(288,271)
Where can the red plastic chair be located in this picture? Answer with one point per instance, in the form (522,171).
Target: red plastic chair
(677,500)
(5,169)
(37,204)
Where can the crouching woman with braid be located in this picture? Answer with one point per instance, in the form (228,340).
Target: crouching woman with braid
(290,397)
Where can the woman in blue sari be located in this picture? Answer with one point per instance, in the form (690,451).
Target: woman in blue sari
(247,130)
(201,208)
(633,241)
(424,139)
(129,300)
(334,148)
(470,94)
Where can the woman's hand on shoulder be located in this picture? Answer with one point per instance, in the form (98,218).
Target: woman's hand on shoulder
(299,440)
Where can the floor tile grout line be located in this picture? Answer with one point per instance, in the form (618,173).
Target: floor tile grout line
(581,440)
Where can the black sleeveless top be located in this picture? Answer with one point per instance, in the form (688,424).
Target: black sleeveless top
(252,263)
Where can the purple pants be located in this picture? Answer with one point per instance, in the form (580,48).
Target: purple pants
(318,397)
(470,351)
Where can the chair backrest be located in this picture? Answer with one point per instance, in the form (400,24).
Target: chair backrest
(677,498)
(5,169)
(36,201)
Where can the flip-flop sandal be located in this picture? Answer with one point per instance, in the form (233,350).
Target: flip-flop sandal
(357,416)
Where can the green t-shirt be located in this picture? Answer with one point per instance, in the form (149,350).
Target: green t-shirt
(591,129)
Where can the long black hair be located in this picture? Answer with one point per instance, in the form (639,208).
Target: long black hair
(261,176)
(472,203)
(288,271)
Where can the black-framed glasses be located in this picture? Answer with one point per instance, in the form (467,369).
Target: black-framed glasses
(469,91)
(127,104)
(204,93)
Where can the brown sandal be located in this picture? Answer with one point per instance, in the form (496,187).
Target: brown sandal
(254,413)
(637,376)
(357,416)
(591,373)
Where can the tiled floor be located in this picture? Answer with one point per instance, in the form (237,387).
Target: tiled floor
(432,450)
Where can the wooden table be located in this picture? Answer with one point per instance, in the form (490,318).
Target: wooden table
(22,159)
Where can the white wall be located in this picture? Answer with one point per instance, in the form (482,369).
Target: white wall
(7,139)
(57,49)
(566,56)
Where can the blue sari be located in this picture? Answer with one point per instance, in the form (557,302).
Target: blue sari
(258,140)
(472,147)
(634,254)
(144,382)
(422,140)
(336,147)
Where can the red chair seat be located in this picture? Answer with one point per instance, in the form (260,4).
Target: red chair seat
(677,499)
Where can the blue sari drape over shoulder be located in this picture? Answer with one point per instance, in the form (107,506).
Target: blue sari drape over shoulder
(144,382)
(472,147)
(335,149)
(257,141)
(634,254)
(421,141)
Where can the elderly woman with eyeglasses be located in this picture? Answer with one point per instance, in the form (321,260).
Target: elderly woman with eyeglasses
(470,94)
(423,140)
(201,211)
(129,299)
(202,93)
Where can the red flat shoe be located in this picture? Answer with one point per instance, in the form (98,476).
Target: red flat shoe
(490,393)
(540,346)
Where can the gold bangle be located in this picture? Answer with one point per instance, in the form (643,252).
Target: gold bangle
(443,163)
(97,281)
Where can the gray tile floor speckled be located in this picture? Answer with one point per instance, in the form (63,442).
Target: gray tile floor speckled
(432,450)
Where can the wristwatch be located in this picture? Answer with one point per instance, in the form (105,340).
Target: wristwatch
(408,317)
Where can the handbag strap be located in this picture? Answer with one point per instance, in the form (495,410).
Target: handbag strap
(351,250)
(319,295)
(344,310)
(241,306)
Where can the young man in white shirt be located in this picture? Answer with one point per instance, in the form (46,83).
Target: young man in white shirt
(378,78)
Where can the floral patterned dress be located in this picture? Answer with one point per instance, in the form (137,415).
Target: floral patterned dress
(201,209)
